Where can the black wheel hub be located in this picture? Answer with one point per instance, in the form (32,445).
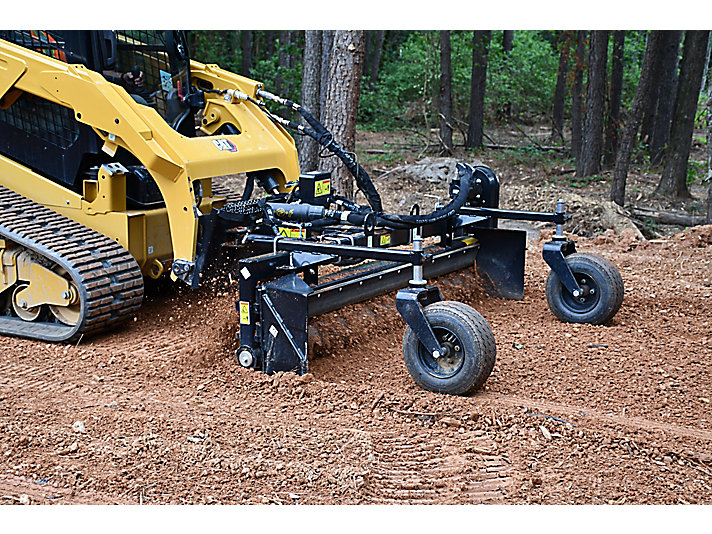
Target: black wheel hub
(452,357)
(589,298)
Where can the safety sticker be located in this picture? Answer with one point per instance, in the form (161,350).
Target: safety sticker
(245,272)
(244,312)
(166,81)
(225,145)
(273,331)
(385,239)
(293,232)
(322,187)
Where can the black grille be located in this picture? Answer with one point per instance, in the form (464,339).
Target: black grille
(46,120)
(50,43)
(147,51)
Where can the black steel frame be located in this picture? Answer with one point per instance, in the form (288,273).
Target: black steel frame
(280,287)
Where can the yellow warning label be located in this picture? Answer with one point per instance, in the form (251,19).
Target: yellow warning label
(322,187)
(293,232)
(385,239)
(244,312)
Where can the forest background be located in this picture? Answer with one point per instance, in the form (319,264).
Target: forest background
(612,99)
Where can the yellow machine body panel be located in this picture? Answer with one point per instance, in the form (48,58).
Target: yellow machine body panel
(154,237)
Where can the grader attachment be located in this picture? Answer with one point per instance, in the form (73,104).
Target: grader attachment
(106,177)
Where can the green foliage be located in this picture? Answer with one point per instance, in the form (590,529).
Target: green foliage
(696,172)
(523,80)
(633,52)
(519,82)
(220,47)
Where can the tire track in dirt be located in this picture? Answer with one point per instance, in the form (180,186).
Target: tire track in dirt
(42,383)
(429,468)
(639,423)
(12,487)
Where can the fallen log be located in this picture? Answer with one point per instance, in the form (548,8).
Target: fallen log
(494,146)
(666,217)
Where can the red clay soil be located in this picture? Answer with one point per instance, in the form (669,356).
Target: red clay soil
(159,411)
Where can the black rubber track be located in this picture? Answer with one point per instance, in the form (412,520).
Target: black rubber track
(109,280)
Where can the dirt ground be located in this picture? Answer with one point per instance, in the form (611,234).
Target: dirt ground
(160,412)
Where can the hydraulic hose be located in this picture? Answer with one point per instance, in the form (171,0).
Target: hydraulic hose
(363,181)
(466,173)
(326,139)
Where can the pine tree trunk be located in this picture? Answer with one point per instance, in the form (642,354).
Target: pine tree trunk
(670,54)
(342,101)
(282,63)
(709,153)
(648,120)
(311,83)
(614,100)
(507,41)
(327,45)
(589,161)
(560,91)
(673,182)
(577,96)
(632,124)
(445,100)
(480,50)
(376,57)
(246,36)
(269,43)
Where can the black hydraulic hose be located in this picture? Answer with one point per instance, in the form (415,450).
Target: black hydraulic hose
(249,187)
(325,138)
(466,174)
(363,180)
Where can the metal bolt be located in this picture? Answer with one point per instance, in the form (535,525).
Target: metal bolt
(457,348)
(583,280)
(436,354)
(591,291)
(577,293)
(66,295)
(23,304)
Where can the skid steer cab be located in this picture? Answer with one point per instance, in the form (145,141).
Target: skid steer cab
(114,146)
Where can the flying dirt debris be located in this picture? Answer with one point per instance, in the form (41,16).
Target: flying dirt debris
(105,180)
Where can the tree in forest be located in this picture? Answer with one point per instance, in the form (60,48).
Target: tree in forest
(372,58)
(673,182)
(280,84)
(480,50)
(311,91)
(669,56)
(445,100)
(589,160)
(246,38)
(632,124)
(709,153)
(613,117)
(342,97)
(577,95)
(507,41)
(327,44)
(564,43)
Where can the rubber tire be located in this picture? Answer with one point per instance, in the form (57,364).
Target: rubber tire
(607,279)
(477,341)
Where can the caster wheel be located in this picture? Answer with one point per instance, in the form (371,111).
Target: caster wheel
(469,354)
(602,285)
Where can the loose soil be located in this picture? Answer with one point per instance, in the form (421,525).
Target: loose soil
(160,412)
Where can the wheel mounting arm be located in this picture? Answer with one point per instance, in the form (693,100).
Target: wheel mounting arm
(554,253)
(410,303)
